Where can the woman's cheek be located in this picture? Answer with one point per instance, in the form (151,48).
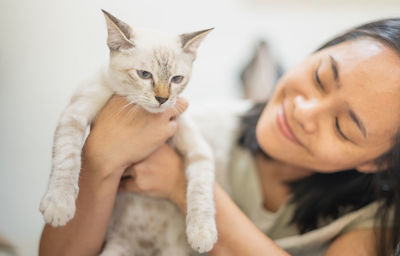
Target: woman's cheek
(262,130)
(330,158)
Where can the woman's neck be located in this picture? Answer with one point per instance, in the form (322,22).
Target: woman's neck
(274,178)
(280,171)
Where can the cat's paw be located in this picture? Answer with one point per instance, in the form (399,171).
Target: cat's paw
(202,234)
(58,206)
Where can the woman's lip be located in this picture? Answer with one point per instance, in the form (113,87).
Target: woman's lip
(284,127)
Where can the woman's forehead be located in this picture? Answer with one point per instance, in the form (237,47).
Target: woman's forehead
(379,112)
(360,53)
(369,74)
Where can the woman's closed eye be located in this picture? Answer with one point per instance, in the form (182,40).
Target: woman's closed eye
(318,80)
(329,70)
(339,130)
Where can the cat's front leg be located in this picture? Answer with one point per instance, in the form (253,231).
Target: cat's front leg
(58,203)
(200,171)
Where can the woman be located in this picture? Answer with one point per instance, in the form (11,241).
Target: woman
(326,146)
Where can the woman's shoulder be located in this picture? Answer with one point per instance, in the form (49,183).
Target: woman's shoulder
(318,239)
(219,122)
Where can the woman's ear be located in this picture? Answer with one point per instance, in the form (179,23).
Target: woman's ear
(371,167)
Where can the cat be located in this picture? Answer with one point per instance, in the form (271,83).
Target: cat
(150,69)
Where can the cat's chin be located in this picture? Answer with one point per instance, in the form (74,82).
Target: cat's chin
(155,110)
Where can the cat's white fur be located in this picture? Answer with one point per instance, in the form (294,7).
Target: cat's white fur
(134,215)
(164,56)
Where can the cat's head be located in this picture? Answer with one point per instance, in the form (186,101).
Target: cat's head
(149,68)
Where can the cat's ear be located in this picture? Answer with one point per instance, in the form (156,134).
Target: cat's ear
(119,33)
(191,41)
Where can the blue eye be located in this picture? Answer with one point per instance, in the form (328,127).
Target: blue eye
(144,74)
(177,79)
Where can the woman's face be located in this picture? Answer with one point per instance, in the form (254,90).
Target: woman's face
(339,109)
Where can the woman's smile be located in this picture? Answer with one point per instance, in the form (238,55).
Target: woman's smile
(323,122)
(284,126)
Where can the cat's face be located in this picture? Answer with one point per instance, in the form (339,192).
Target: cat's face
(149,68)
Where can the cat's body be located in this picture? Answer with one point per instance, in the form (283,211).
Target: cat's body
(149,69)
(143,225)
(134,215)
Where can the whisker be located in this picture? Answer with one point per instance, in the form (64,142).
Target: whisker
(124,107)
(132,110)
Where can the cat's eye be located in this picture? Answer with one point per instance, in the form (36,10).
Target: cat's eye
(177,79)
(144,74)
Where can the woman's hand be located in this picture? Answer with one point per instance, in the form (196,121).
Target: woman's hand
(160,175)
(123,134)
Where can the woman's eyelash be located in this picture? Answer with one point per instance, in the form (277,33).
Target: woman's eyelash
(318,80)
(339,130)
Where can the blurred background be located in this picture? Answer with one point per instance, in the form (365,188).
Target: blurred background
(47,47)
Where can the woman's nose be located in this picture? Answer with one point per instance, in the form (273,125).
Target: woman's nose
(307,112)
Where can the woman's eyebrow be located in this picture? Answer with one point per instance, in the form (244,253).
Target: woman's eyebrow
(353,116)
(335,70)
(358,122)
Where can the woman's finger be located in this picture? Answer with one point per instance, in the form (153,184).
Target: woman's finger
(128,184)
(180,106)
(128,180)
(173,127)
(130,171)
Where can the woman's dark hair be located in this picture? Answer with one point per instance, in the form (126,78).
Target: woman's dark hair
(324,196)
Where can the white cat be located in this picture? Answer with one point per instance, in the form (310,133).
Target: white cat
(150,69)
(135,215)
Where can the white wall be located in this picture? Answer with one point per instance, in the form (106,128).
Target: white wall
(47,47)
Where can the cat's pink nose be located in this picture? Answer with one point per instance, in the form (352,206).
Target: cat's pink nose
(161,99)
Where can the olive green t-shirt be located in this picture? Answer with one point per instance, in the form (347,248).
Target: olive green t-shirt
(247,194)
